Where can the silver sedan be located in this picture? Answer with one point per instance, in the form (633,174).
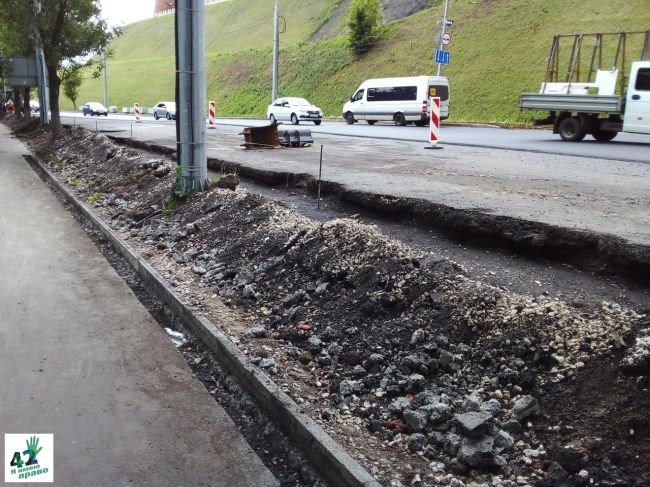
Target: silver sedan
(165,109)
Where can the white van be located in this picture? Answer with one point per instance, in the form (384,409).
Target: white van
(401,100)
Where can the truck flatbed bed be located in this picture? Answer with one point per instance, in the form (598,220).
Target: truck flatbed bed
(612,104)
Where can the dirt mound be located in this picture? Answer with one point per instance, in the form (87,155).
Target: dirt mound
(426,376)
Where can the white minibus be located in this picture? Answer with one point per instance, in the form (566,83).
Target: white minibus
(402,100)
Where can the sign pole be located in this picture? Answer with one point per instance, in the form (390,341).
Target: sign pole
(444,30)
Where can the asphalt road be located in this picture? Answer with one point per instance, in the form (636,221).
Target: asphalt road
(626,147)
(582,192)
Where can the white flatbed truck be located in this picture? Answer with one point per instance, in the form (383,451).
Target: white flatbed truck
(575,112)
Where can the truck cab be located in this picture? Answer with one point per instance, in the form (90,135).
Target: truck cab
(637,100)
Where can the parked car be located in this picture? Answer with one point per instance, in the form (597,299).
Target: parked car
(166,109)
(294,110)
(94,108)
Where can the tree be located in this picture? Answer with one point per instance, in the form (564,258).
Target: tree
(66,29)
(14,42)
(71,79)
(363,21)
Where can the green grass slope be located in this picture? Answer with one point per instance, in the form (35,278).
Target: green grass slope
(498,50)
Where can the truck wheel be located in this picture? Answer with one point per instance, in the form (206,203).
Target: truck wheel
(571,130)
(603,135)
(349,118)
(399,119)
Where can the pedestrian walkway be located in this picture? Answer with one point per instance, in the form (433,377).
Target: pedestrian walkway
(82,359)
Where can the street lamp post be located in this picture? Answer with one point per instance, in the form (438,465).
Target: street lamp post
(41,68)
(276,51)
(105,72)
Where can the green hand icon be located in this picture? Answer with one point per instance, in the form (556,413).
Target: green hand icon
(32,450)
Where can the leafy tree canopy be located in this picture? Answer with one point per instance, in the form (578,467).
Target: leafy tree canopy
(67,30)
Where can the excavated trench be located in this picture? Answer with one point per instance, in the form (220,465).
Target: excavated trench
(430,360)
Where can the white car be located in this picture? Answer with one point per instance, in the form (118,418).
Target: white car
(166,109)
(294,110)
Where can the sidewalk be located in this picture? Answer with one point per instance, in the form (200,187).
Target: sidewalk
(81,358)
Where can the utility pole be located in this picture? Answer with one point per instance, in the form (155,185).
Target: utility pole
(190,93)
(276,51)
(105,72)
(41,68)
(444,30)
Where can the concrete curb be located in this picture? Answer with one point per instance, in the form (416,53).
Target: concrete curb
(336,465)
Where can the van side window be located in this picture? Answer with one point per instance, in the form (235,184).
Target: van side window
(358,96)
(395,93)
(441,91)
(642,80)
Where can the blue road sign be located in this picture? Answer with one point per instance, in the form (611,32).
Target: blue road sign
(442,57)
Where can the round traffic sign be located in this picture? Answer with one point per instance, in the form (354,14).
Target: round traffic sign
(446,38)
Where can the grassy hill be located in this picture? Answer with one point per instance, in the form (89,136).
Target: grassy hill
(498,50)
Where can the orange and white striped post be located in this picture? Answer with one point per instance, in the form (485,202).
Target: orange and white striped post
(434,123)
(136,110)
(211,112)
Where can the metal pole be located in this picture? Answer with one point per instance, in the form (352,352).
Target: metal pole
(276,51)
(190,121)
(444,30)
(320,173)
(105,78)
(41,68)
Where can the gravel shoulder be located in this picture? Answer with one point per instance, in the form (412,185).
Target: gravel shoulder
(427,373)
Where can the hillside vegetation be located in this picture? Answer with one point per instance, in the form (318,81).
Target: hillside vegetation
(498,50)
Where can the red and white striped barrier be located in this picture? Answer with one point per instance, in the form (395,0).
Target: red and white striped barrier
(211,112)
(434,121)
(136,110)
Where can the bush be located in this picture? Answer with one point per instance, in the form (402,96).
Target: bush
(363,22)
